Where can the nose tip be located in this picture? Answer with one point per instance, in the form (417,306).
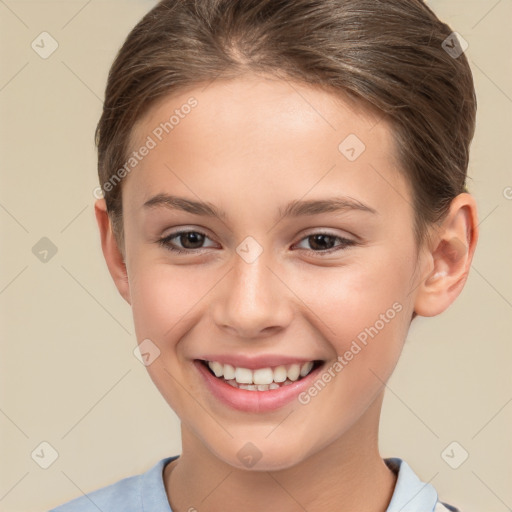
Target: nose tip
(252,302)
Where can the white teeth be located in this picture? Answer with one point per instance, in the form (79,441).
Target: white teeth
(293,372)
(258,387)
(263,376)
(229,372)
(217,368)
(250,387)
(260,379)
(279,374)
(306,368)
(243,375)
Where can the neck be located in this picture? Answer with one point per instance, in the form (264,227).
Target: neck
(346,475)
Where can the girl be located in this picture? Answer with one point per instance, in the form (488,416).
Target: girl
(284,192)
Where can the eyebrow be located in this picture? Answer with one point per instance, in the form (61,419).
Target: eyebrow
(296,208)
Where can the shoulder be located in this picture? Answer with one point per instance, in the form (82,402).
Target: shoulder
(126,494)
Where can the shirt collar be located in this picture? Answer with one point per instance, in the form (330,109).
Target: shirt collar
(410,494)
(152,488)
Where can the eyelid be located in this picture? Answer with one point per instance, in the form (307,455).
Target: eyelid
(181,231)
(346,243)
(327,231)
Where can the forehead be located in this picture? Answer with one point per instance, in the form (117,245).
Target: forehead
(257,133)
(267,101)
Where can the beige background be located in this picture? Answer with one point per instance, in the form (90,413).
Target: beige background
(68,375)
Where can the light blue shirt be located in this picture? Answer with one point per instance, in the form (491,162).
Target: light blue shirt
(146,493)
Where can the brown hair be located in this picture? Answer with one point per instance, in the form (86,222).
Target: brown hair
(387,55)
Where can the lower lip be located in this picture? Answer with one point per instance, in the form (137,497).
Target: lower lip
(255,401)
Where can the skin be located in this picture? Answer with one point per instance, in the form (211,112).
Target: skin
(250,146)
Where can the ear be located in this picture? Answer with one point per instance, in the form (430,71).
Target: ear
(113,256)
(450,254)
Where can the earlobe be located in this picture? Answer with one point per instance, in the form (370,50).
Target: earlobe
(454,244)
(113,256)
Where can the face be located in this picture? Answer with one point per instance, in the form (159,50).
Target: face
(278,277)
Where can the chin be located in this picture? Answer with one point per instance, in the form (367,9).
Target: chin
(262,455)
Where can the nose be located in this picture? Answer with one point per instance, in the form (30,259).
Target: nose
(253,300)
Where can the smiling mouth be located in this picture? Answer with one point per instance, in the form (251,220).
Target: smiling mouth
(260,379)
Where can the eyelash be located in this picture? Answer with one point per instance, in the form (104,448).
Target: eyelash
(165,242)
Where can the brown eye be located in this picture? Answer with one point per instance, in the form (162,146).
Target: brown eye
(324,243)
(321,242)
(190,241)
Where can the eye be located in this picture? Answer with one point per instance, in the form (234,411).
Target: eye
(186,238)
(323,242)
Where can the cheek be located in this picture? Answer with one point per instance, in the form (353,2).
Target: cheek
(354,296)
(362,310)
(165,302)
(162,297)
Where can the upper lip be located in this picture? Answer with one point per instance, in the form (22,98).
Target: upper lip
(253,362)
